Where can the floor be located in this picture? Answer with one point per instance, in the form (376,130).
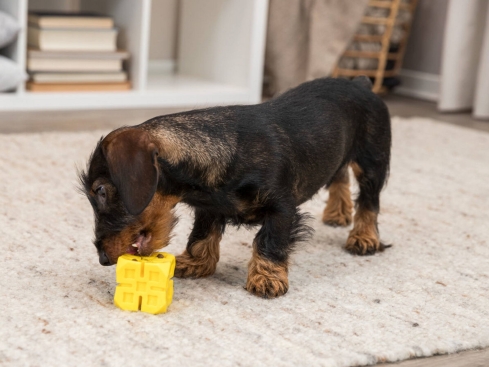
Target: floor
(21,122)
(409,107)
(36,121)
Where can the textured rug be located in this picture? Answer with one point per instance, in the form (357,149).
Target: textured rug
(428,294)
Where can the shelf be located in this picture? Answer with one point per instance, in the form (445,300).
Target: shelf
(181,84)
(221,46)
(162,91)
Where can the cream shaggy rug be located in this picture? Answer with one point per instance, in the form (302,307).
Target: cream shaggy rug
(428,294)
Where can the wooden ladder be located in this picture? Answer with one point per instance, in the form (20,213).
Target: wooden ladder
(383,55)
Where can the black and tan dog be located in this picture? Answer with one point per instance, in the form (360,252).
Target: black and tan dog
(250,165)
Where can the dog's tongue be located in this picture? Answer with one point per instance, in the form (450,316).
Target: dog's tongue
(132,250)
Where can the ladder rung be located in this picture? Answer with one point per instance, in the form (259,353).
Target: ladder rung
(388,4)
(356,72)
(369,54)
(380,4)
(368,38)
(376,20)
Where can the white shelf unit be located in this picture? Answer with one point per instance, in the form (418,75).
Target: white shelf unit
(221,45)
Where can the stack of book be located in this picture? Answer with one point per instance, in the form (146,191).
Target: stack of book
(74,52)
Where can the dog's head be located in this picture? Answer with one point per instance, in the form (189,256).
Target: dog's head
(121,183)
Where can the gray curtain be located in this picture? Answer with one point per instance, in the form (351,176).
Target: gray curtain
(305,38)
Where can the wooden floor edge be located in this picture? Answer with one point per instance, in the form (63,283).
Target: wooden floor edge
(466,358)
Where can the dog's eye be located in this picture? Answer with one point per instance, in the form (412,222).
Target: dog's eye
(100,191)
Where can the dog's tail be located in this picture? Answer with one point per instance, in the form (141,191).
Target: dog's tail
(363,81)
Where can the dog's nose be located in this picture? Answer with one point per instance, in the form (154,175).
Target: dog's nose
(103,259)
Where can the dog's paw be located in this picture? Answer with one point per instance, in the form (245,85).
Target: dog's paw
(261,286)
(266,279)
(193,267)
(339,208)
(336,219)
(363,244)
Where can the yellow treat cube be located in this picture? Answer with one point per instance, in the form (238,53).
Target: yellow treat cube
(143,282)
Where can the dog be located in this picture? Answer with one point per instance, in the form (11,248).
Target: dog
(244,165)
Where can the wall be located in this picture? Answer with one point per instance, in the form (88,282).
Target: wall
(424,48)
(422,61)
(163,30)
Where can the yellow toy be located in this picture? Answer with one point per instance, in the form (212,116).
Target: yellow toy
(143,282)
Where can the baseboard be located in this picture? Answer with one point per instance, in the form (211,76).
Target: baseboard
(419,85)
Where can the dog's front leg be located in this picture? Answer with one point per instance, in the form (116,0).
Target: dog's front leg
(268,268)
(202,253)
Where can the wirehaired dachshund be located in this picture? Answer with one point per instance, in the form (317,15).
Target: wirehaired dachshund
(244,165)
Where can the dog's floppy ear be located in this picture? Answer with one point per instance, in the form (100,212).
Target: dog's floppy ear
(133,167)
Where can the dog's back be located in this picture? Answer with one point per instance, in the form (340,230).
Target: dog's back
(309,132)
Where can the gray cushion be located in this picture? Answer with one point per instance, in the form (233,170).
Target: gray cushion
(9,28)
(11,74)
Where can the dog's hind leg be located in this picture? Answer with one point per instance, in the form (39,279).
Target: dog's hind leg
(202,253)
(370,169)
(338,211)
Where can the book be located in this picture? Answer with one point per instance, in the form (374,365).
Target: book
(39,54)
(77,87)
(65,20)
(72,39)
(81,65)
(63,78)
